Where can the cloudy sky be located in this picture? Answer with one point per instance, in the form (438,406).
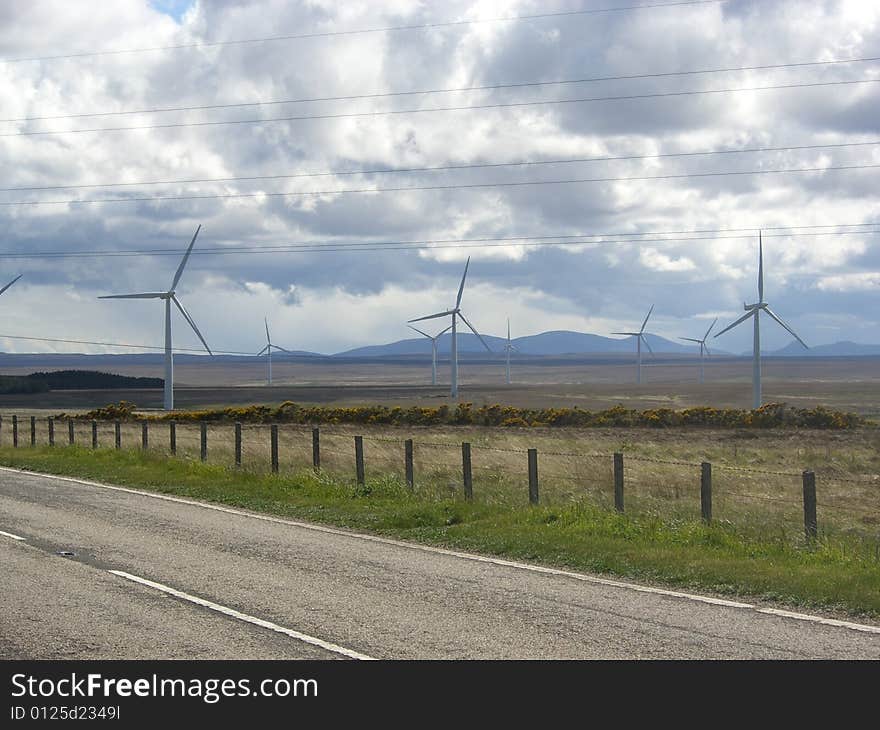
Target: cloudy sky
(625,238)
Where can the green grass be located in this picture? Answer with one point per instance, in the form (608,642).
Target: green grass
(839,573)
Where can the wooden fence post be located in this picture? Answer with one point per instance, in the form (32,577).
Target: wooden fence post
(33,430)
(533,476)
(145,435)
(408,463)
(238,444)
(706,491)
(316,449)
(811,525)
(359,458)
(71,432)
(203,450)
(94,434)
(51,424)
(15,431)
(466,472)
(274,447)
(172,436)
(618,481)
(117,434)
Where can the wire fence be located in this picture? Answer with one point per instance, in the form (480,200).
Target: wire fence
(753,498)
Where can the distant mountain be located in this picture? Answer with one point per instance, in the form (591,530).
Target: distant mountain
(838,349)
(560,342)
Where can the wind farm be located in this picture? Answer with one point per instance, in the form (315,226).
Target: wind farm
(534,387)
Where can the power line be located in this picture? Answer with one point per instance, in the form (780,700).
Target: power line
(536,240)
(489,87)
(390,112)
(390,29)
(436,168)
(413,188)
(159,348)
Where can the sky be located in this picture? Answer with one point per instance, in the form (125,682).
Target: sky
(625,239)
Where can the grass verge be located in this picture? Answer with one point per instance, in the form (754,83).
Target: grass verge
(837,574)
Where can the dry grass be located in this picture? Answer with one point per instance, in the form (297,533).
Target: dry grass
(756,476)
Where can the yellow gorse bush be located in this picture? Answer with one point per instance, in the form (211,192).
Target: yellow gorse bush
(771,415)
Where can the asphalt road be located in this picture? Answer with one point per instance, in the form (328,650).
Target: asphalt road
(193,581)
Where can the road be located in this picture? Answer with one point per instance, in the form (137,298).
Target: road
(153,577)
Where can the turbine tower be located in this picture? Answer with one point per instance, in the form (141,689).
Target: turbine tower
(754,310)
(640,336)
(508,346)
(703,346)
(433,349)
(268,350)
(169,297)
(454,313)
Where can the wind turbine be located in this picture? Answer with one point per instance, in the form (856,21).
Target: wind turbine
(268,350)
(508,346)
(433,349)
(754,310)
(170,296)
(454,313)
(640,336)
(703,345)
(10,283)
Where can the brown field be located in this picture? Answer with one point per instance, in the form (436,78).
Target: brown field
(849,384)
(756,474)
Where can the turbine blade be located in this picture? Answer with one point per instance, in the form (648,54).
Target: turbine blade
(461,288)
(432,316)
(645,340)
(263,350)
(704,345)
(772,314)
(185,259)
(760,268)
(714,322)
(11,283)
(508,327)
(191,323)
(443,332)
(631,334)
(741,319)
(145,295)
(489,349)
(289,352)
(646,319)
(690,339)
(266,322)
(420,332)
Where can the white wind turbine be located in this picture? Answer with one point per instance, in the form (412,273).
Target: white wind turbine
(433,349)
(170,296)
(753,310)
(268,350)
(640,337)
(508,346)
(10,283)
(703,346)
(454,313)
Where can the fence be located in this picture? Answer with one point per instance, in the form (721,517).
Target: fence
(622,481)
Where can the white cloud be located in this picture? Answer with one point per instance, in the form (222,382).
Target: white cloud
(369,294)
(856,282)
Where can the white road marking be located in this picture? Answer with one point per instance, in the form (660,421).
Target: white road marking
(821,620)
(225,610)
(464,556)
(10,535)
